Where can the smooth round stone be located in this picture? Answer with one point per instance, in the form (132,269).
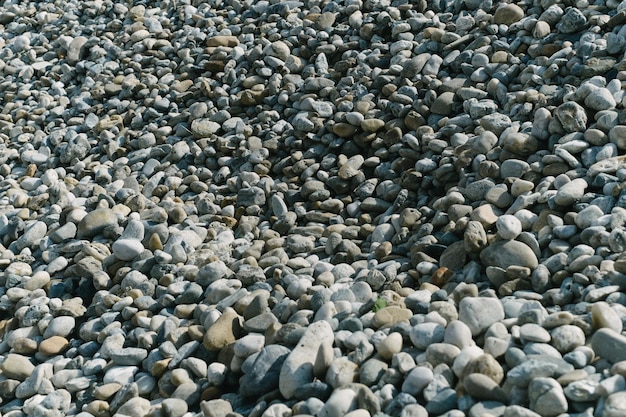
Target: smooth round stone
(96,221)
(609,344)
(136,406)
(297,369)
(225,330)
(174,407)
(541,29)
(24,346)
(571,192)
(388,316)
(371,371)
(615,405)
(547,397)
(467,355)
(443,104)
(344,130)
(127,249)
(60,326)
(32,235)
(478,313)
(513,168)
(416,380)
(391,345)
(16,367)
(340,403)
(617,136)
(128,355)
(120,374)
(602,315)
(568,337)
(202,128)
(487,365)
(482,387)
(509,227)
(372,125)
(53,345)
(261,371)
(506,253)
(341,372)
(600,99)
(507,14)
(425,334)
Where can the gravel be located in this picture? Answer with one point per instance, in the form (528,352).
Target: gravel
(316,208)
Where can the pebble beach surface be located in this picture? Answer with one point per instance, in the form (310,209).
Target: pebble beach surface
(319,208)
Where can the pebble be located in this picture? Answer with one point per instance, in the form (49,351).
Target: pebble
(127,249)
(506,253)
(571,192)
(547,397)
(509,227)
(201,207)
(390,346)
(225,330)
(608,344)
(16,366)
(478,313)
(96,221)
(297,368)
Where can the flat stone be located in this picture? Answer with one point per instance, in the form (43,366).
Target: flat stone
(222,40)
(506,253)
(128,355)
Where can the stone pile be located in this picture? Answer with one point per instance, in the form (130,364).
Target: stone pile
(312,208)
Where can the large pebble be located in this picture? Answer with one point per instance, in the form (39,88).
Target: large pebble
(506,253)
(96,221)
(547,397)
(297,369)
(609,344)
(478,313)
(16,366)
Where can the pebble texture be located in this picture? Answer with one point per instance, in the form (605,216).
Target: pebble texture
(328,208)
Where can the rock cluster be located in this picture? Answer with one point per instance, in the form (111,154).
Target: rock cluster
(346,208)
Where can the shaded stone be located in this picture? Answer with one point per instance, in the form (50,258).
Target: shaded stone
(506,253)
